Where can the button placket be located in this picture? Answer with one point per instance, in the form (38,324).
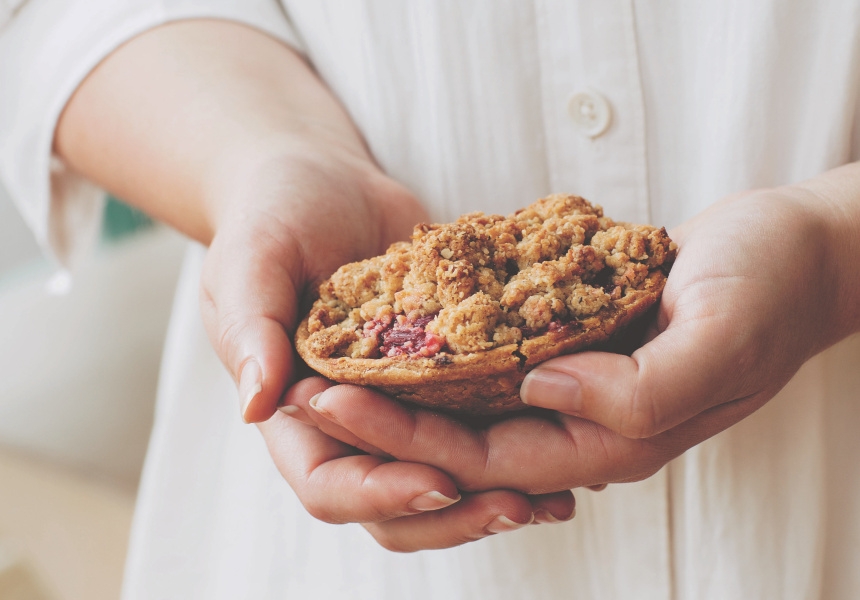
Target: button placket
(592,99)
(596,147)
(590,112)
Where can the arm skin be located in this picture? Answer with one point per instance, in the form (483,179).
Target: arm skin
(227,135)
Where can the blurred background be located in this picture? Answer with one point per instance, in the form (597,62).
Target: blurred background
(78,377)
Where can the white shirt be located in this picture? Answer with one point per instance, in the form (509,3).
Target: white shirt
(675,104)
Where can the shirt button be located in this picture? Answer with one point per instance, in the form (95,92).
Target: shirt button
(590,112)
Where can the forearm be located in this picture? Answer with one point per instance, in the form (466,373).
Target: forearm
(169,120)
(835,197)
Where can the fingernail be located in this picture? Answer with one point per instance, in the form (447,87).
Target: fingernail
(297,413)
(432,501)
(551,389)
(250,385)
(544,517)
(314,402)
(502,524)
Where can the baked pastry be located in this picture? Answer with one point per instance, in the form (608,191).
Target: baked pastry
(455,319)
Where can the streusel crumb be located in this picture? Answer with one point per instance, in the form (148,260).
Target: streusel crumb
(454,319)
(487,280)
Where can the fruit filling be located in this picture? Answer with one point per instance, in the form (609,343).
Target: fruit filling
(403,337)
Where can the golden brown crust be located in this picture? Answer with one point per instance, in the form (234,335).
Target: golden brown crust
(456,319)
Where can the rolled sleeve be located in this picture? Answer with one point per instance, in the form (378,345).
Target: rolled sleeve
(46,49)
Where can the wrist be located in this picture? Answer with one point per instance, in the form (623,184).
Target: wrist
(833,198)
(246,176)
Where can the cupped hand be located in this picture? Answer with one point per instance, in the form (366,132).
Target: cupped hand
(295,215)
(406,506)
(749,299)
(304,217)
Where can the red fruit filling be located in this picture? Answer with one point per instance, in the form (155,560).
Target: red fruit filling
(404,337)
(557,326)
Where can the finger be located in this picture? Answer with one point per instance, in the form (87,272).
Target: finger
(530,454)
(475,517)
(248,304)
(295,401)
(297,404)
(553,508)
(647,456)
(337,485)
(688,368)
(411,435)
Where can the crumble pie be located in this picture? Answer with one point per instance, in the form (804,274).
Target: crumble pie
(456,318)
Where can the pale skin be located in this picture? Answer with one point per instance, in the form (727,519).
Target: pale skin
(227,135)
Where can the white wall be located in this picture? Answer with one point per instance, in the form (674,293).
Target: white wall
(17,247)
(78,372)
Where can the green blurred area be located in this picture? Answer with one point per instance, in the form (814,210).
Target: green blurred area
(121,220)
(21,259)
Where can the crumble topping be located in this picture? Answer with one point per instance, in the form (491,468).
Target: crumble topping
(485,281)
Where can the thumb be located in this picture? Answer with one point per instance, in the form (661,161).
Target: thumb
(258,353)
(248,303)
(683,371)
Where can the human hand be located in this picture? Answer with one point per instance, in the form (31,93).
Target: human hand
(278,245)
(290,214)
(725,339)
(304,214)
(229,136)
(294,214)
